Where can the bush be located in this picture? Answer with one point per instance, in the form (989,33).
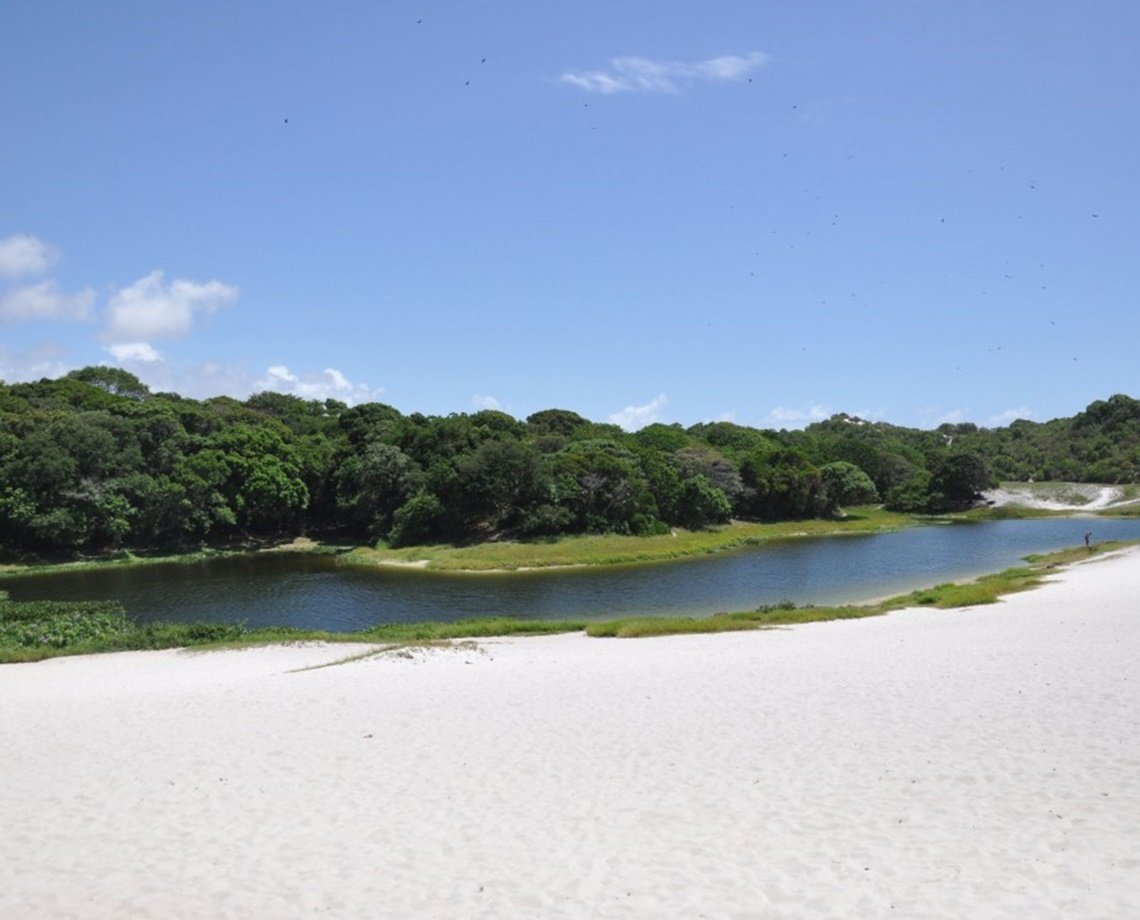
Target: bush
(546,520)
(61,624)
(178,635)
(98,626)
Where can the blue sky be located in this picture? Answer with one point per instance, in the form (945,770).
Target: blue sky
(765,211)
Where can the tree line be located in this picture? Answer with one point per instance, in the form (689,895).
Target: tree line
(94,462)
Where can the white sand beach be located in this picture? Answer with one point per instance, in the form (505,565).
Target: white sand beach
(967,763)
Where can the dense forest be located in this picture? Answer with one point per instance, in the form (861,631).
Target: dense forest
(94,462)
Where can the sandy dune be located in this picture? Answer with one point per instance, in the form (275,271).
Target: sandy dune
(1091,497)
(981,763)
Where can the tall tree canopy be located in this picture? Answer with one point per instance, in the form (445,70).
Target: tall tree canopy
(94,461)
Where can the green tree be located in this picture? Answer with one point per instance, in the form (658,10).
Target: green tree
(719,470)
(263,487)
(702,503)
(847,485)
(958,477)
(601,484)
(662,438)
(665,484)
(113,380)
(912,496)
(370,486)
(555,421)
(782,485)
(371,422)
(497,486)
(417,521)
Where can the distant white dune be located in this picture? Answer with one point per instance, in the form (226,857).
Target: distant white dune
(1062,496)
(967,763)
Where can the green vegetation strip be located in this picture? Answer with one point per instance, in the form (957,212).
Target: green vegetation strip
(128,559)
(615,549)
(35,630)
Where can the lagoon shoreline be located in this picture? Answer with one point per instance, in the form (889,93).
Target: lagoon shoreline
(938,763)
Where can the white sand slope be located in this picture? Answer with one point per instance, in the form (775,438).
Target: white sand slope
(1073,496)
(971,763)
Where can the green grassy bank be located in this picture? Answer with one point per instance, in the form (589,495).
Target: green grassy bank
(615,549)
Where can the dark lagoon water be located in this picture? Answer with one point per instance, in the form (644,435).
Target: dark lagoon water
(315,592)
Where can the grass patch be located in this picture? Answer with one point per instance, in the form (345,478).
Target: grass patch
(481,628)
(124,558)
(985,590)
(1129,510)
(740,621)
(118,560)
(36,630)
(616,549)
(1010,512)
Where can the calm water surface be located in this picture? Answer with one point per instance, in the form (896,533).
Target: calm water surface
(313,592)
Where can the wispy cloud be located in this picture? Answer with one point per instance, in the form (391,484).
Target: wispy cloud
(45,360)
(44,300)
(998,420)
(127,352)
(23,254)
(646,75)
(786,417)
(631,418)
(328,384)
(1002,419)
(151,309)
(486,402)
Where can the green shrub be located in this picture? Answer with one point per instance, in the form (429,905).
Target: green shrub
(60,624)
(178,635)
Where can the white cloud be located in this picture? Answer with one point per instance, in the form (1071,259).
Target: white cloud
(787,417)
(45,301)
(208,379)
(22,254)
(134,351)
(632,418)
(47,360)
(150,309)
(638,74)
(1002,419)
(328,384)
(193,380)
(486,402)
